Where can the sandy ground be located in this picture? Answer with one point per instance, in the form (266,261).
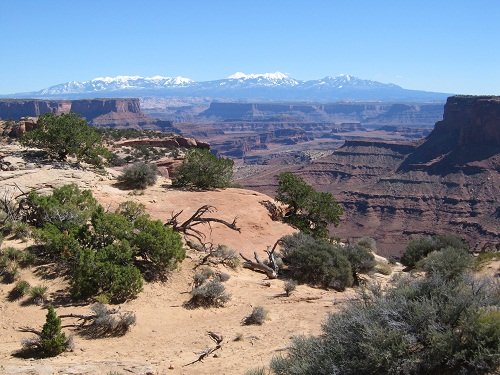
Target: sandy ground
(167,334)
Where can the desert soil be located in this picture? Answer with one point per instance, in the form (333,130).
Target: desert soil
(167,335)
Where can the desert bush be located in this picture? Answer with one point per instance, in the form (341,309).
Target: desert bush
(202,276)
(139,175)
(210,294)
(11,253)
(67,207)
(222,276)
(308,210)
(51,341)
(289,287)
(107,323)
(383,268)
(368,243)
(21,289)
(448,262)
(203,170)
(66,135)
(257,316)
(6,228)
(257,371)
(38,294)
(131,210)
(483,258)
(419,248)
(21,230)
(316,261)
(227,256)
(360,257)
(421,326)
(9,270)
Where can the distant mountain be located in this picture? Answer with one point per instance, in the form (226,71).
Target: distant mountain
(239,86)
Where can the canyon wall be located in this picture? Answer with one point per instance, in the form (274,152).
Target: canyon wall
(374,114)
(121,113)
(446,183)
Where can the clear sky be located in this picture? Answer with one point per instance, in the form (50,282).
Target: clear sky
(438,45)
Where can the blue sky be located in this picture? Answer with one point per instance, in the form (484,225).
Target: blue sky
(447,46)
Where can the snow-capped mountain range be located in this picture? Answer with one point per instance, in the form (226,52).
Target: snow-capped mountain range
(238,86)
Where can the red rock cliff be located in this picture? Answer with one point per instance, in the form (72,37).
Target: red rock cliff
(11,109)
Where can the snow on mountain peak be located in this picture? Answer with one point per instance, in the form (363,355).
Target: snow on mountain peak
(270,76)
(126,79)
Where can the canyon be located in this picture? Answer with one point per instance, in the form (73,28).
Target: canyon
(247,130)
(391,191)
(396,174)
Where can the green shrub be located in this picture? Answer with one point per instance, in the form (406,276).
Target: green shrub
(421,326)
(316,262)
(210,294)
(11,253)
(120,283)
(419,248)
(103,252)
(21,289)
(60,245)
(108,272)
(157,243)
(203,170)
(66,135)
(109,227)
(52,340)
(308,210)
(6,228)
(448,262)
(257,316)
(139,175)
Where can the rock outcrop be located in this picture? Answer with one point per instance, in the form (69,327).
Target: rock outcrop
(166,142)
(120,113)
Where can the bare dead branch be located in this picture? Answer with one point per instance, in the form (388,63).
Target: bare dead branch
(196,219)
(29,330)
(205,353)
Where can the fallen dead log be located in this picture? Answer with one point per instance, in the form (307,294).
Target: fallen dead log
(270,269)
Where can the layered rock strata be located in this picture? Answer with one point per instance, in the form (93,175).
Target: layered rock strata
(449,182)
